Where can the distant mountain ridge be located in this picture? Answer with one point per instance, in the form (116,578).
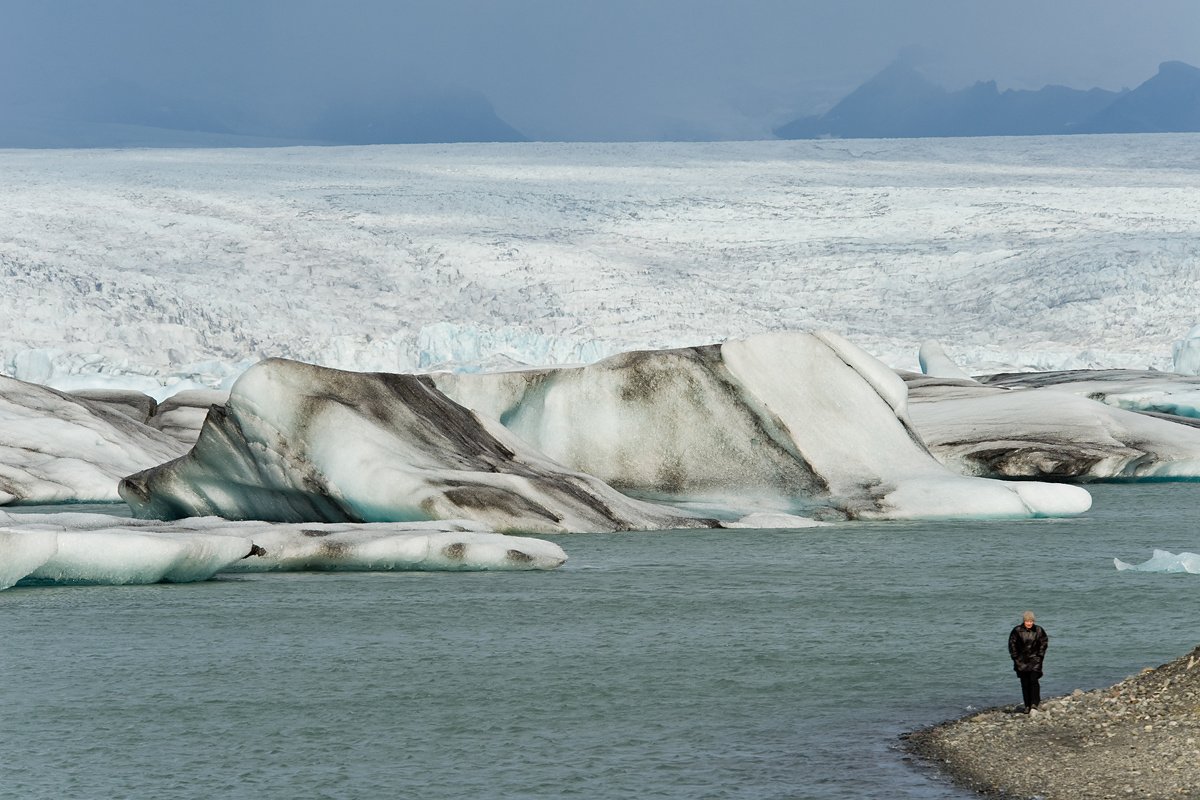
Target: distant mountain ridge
(899,102)
(116,113)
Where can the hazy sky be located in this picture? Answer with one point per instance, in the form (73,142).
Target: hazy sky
(583,70)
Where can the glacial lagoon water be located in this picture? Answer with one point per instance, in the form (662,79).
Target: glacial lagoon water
(743,664)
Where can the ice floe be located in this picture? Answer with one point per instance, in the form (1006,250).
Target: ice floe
(1164,561)
(75,548)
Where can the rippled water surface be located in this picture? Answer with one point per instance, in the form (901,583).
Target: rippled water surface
(747,664)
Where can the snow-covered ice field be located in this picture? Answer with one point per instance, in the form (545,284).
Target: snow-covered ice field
(1039,252)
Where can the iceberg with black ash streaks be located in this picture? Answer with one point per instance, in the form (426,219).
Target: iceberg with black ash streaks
(297,442)
(1173,396)
(790,422)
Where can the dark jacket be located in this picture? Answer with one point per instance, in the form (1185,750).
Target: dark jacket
(1027,646)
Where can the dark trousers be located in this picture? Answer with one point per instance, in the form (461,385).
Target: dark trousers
(1030,691)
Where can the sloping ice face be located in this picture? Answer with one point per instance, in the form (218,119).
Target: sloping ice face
(299,443)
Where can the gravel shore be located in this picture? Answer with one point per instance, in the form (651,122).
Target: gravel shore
(1139,738)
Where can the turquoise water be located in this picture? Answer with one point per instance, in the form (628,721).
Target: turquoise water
(747,664)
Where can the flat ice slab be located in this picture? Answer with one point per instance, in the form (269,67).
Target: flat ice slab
(71,549)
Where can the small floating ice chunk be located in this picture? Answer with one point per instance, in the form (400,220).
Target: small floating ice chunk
(1164,561)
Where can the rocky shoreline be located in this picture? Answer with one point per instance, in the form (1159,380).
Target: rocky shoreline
(1139,738)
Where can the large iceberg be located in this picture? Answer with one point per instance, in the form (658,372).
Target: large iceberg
(75,548)
(785,423)
(297,442)
(56,447)
(791,422)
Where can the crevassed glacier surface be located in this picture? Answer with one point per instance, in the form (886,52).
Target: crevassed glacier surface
(152,268)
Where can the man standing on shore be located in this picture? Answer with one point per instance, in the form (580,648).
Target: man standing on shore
(1027,645)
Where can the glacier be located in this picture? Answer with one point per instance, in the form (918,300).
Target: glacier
(98,549)
(1041,253)
(792,423)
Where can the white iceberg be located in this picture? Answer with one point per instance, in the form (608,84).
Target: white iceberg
(936,364)
(116,556)
(1164,561)
(55,447)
